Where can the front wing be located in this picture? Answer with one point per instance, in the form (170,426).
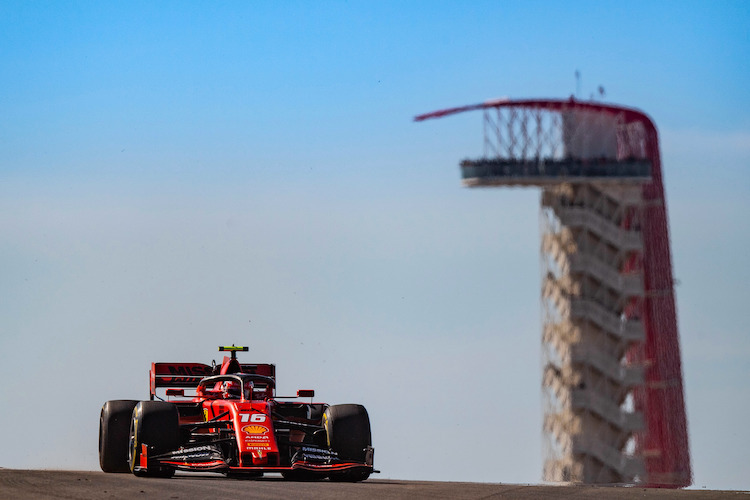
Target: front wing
(210,458)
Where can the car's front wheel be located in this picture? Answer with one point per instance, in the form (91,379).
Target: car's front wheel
(156,425)
(348,433)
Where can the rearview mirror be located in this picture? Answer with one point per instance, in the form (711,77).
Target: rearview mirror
(305,393)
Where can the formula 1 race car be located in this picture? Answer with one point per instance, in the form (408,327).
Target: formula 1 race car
(233,423)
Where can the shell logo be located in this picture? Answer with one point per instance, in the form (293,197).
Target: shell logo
(255,429)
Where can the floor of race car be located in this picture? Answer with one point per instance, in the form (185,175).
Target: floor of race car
(37,484)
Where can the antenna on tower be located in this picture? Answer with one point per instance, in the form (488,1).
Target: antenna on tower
(578,84)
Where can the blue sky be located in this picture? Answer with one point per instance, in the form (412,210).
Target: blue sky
(175,176)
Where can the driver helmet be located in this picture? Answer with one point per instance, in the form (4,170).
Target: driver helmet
(230,389)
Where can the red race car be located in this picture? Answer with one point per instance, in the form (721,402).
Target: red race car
(233,423)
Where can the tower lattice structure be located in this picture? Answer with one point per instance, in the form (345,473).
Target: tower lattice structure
(612,376)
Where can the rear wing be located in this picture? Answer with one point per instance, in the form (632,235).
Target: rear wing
(188,375)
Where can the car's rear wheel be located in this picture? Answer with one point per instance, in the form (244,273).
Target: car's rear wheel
(114,425)
(348,432)
(154,424)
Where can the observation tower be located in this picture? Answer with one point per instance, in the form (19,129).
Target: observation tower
(612,380)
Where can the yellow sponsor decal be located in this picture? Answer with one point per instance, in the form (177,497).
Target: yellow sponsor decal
(255,429)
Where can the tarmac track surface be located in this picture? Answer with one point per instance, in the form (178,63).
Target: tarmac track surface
(40,484)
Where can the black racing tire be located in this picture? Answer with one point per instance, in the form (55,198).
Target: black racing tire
(114,426)
(348,433)
(156,424)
